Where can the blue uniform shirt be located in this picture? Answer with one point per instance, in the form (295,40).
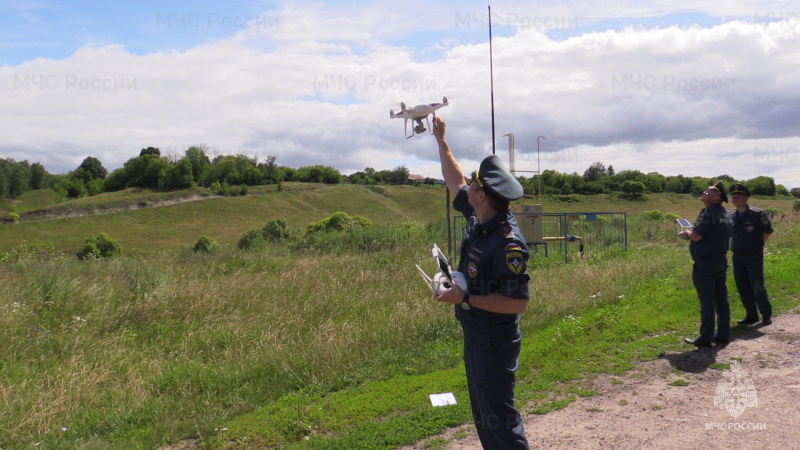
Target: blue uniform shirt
(748,230)
(494,259)
(714,224)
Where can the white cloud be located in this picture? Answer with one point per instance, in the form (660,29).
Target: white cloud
(313,83)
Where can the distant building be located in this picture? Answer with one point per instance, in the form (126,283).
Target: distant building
(415,179)
(419,179)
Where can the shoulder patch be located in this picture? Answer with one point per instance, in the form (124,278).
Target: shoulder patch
(515,261)
(513,246)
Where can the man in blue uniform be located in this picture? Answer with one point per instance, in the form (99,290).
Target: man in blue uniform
(493,260)
(751,229)
(709,243)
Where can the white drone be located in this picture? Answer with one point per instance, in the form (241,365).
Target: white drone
(417,113)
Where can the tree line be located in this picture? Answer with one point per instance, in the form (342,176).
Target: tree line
(151,169)
(599,179)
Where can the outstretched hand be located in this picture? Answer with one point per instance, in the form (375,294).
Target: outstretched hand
(439,128)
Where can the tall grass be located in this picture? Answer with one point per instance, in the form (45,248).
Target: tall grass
(141,351)
(151,348)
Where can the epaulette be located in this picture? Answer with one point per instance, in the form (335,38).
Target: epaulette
(506,229)
(756,210)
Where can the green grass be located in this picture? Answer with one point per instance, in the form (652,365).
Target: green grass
(303,348)
(171,228)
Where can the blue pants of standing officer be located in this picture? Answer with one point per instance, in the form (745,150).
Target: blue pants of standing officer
(709,280)
(748,271)
(491,364)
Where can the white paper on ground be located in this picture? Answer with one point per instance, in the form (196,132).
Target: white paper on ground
(443,399)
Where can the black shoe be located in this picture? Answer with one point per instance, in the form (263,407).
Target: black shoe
(721,342)
(695,343)
(748,321)
(766,321)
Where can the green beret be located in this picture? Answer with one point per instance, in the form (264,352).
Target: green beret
(739,188)
(497,181)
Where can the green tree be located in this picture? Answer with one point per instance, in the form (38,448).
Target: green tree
(39,177)
(318,174)
(199,160)
(90,169)
(178,175)
(16,179)
(398,175)
(595,172)
(70,186)
(4,181)
(116,180)
(633,190)
(146,171)
(271,171)
(761,185)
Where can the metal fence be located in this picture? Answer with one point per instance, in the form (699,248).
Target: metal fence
(573,236)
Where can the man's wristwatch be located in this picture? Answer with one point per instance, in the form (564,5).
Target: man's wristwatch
(465,303)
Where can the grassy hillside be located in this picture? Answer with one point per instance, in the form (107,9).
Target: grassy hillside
(225,219)
(133,218)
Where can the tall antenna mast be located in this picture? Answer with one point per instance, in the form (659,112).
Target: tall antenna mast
(491,73)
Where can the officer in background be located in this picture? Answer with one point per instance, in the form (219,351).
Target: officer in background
(709,243)
(493,260)
(751,229)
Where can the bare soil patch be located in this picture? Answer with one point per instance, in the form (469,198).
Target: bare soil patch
(670,402)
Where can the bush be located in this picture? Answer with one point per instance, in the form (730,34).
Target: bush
(276,230)
(652,215)
(99,246)
(773,212)
(670,217)
(362,239)
(14,217)
(339,221)
(251,239)
(205,244)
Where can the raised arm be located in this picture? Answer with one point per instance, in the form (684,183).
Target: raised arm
(453,176)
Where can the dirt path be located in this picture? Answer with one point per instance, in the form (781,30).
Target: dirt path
(643,410)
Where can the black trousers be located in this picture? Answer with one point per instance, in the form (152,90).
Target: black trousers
(709,281)
(491,364)
(748,271)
